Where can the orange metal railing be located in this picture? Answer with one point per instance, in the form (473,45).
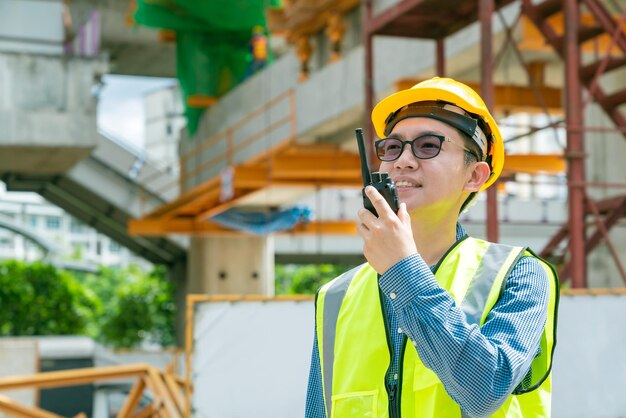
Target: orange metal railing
(190,173)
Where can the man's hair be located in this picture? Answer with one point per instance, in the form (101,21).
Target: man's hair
(474,154)
(470,157)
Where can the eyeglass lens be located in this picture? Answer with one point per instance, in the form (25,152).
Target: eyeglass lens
(424,147)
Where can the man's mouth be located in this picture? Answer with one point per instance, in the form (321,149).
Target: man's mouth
(400,184)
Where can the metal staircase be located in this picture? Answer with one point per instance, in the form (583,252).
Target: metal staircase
(589,73)
(589,70)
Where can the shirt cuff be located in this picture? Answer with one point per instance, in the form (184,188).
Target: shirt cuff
(406,280)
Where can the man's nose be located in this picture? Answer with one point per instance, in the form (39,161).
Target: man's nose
(406,158)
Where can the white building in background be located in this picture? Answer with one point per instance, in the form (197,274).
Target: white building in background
(73,241)
(164,119)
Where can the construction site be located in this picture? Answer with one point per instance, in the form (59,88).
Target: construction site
(267,171)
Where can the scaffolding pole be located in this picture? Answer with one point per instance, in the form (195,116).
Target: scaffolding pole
(485,13)
(575,148)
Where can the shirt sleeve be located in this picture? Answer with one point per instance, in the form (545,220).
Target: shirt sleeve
(478,366)
(314,396)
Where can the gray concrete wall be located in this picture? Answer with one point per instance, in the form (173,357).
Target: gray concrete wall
(47,111)
(34,26)
(589,365)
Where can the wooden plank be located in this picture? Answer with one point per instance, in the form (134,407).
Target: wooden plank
(15,409)
(174,390)
(133,399)
(157,399)
(146,412)
(73,377)
(169,404)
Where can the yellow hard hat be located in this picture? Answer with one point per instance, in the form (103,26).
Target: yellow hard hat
(446,91)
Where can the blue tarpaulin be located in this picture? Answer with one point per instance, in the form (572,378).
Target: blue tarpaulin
(262,223)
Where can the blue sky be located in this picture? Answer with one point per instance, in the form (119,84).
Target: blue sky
(120,107)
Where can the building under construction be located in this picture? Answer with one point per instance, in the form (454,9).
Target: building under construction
(262,144)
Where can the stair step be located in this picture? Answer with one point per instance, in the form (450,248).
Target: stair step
(588,71)
(548,8)
(613,100)
(585,33)
(605,19)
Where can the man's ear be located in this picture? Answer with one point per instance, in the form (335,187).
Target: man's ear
(478,174)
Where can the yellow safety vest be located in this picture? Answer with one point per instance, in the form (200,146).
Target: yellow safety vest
(354,348)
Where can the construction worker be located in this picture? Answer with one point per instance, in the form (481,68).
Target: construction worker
(436,323)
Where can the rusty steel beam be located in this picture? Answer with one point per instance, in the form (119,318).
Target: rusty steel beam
(607,22)
(440,46)
(368,39)
(575,148)
(611,217)
(485,13)
(605,62)
(604,231)
(594,240)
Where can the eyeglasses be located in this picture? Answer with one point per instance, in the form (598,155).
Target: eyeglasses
(424,147)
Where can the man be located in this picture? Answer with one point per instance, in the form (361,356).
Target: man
(436,324)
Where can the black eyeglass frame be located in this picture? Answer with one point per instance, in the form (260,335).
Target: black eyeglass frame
(441,139)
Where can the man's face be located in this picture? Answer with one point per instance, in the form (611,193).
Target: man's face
(433,184)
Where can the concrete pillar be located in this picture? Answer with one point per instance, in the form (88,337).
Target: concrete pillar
(231,265)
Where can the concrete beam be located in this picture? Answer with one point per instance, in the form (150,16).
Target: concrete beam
(47,112)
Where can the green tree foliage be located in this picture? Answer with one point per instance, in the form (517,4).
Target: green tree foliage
(38,299)
(294,279)
(122,307)
(137,307)
(142,310)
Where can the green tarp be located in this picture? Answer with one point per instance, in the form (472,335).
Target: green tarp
(212,39)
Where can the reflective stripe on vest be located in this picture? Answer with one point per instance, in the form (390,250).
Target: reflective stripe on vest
(332,304)
(486,275)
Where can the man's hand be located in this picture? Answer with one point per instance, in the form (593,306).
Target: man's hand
(388,238)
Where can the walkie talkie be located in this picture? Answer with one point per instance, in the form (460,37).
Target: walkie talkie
(380,181)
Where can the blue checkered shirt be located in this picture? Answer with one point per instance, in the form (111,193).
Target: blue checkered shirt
(479,367)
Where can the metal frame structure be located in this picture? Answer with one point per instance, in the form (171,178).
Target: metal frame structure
(167,390)
(428,19)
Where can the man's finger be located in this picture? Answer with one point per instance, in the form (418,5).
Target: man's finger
(403,214)
(366,217)
(362,230)
(379,202)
